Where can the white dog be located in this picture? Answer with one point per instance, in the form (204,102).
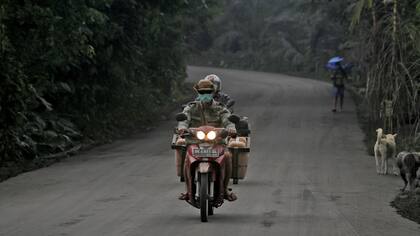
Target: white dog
(385,148)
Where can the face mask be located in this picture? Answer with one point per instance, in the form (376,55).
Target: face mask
(205,97)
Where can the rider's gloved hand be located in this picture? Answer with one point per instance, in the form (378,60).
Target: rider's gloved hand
(182,131)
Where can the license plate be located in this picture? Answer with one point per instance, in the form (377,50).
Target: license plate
(205,152)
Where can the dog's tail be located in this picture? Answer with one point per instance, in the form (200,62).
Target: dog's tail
(379,133)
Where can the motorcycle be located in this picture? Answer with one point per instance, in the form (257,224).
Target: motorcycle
(204,165)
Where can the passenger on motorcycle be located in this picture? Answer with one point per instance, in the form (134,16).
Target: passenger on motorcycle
(219,96)
(206,111)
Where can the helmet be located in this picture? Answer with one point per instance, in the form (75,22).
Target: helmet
(204,85)
(215,80)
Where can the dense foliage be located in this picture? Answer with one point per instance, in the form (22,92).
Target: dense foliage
(72,70)
(389,36)
(270,35)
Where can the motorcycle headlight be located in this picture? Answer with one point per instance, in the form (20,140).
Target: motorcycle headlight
(201,135)
(211,135)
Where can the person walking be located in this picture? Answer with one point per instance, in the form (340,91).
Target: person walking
(338,77)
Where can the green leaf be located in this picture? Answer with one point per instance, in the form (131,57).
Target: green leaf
(50,134)
(44,102)
(65,86)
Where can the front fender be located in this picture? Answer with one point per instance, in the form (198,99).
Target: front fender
(204,167)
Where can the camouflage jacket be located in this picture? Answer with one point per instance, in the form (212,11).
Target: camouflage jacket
(215,115)
(222,98)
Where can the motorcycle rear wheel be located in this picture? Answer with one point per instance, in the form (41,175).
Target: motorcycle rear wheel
(204,196)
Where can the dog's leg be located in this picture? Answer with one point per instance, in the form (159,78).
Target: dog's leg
(394,162)
(382,163)
(394,166)
(403,177)
(412,180)
(378,170)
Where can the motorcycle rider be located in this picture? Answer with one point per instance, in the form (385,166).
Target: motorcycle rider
(219,96)
(206,111)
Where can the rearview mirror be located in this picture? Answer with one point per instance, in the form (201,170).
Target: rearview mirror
(181,117)
(234,119)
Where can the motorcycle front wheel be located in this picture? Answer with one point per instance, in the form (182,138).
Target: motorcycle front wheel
(204,196)
(211,199)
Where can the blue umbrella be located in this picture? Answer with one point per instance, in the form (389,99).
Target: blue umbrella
(332,63)
(335,60)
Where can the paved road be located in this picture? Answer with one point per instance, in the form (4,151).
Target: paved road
(309,175)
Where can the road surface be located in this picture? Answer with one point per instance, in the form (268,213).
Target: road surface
(309,174)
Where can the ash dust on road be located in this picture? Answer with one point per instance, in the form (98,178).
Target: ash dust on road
(308,175)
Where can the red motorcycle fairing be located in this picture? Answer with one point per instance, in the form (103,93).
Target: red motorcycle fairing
(217,171)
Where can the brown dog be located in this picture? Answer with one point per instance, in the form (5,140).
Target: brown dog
(408,163)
